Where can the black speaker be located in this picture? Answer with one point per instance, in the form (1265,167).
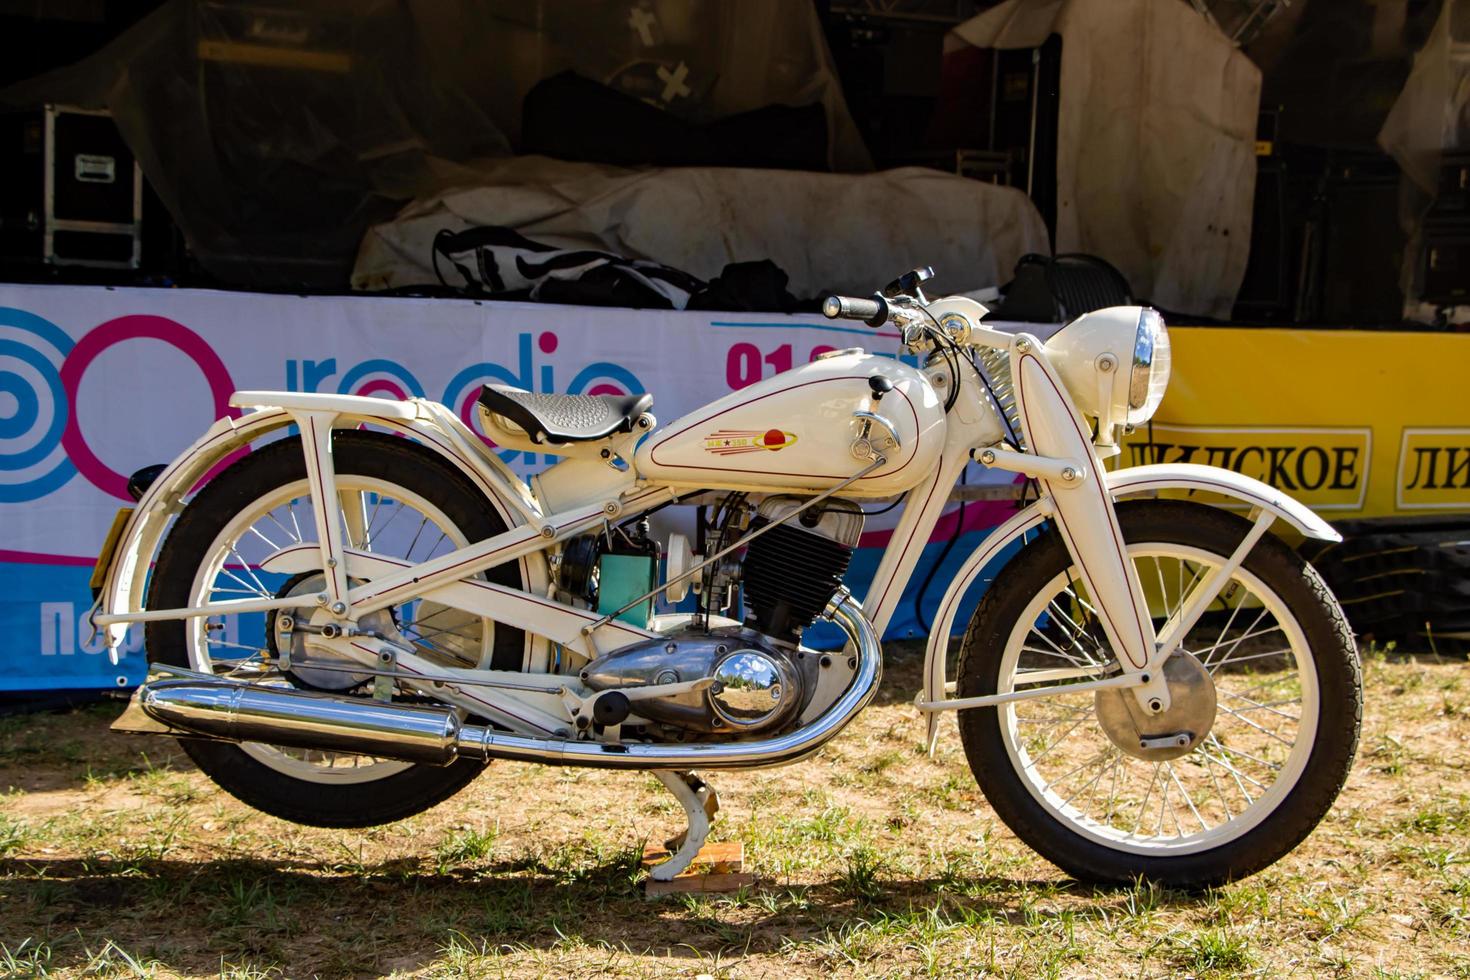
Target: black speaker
(73,194)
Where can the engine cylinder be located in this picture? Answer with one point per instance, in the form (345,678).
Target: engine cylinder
(791,571)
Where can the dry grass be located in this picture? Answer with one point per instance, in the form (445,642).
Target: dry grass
(117,859)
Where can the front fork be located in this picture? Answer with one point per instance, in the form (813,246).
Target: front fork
(1063,461)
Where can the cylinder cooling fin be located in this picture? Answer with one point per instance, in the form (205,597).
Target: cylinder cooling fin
(791,571)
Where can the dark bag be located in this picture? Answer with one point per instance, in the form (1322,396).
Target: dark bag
(494,261)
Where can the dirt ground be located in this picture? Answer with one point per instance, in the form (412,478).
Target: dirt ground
(117,858)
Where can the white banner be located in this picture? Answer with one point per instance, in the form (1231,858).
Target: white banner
(96,383)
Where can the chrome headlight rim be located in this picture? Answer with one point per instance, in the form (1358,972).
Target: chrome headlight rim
(1150,369)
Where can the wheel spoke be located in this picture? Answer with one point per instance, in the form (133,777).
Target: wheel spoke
(1219,793)
(1231,750)
(245,586)
(1260,728)
(1101,771)
(1223,764)
(367,542)
(1163,589)
(269,543)
(1143,807)
(294,537)
(1047,750)
(409,552)
(291,506)
(250,571)
(1189,800)
(1254,656)
(1055,651)
(1074,633)
(1258,706)
(1240,639)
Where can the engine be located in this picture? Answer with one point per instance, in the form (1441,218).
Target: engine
(725,679)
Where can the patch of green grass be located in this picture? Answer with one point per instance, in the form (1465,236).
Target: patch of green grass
(247,905)
(794,844)
(248,971)
(25,960)
(508,908)
(1389,755)
(1377,653)
(461,955)
(13,834)
(1328,913)
(883,760)
(860,876)
(1451,913)
(1440,817)
(1214,951)
(1237,904)
(466,845)
(114,961)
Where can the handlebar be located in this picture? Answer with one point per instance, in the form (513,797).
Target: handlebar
(874,311)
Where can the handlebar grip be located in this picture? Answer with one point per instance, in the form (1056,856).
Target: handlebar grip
(873,312)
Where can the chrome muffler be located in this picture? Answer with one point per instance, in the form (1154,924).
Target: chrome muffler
(236,712)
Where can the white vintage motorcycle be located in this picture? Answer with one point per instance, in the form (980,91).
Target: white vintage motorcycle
(349,621)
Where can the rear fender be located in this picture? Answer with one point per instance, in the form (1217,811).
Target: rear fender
(429,423)
(1121,483)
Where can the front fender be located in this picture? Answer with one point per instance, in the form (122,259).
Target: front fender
(1120,483)
(1213,479)
(429,423)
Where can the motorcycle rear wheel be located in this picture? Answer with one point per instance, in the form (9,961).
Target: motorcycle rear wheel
(1062,772)
(261,503)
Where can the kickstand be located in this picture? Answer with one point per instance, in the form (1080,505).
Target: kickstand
(700,804)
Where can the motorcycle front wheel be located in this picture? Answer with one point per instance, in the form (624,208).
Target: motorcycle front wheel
(396,499)
(1267,704)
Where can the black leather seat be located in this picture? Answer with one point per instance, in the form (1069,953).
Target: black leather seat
(565,418)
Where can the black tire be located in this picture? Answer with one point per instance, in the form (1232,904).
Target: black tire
(1332,651)
(365,804)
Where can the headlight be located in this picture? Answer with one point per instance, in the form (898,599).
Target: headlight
(1150,374)
(1115,364)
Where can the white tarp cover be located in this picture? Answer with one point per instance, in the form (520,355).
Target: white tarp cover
(1156,161)
(848,233)
(1432,113)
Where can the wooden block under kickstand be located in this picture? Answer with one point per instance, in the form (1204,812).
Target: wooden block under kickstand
(716,868)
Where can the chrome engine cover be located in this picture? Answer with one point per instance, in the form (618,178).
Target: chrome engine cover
(758,687)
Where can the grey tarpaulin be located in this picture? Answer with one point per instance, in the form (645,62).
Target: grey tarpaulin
(1430,116)
(844,232)
(1155,160)
(1432,113)
(276,132)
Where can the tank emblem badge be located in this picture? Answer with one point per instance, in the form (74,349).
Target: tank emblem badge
(729,442)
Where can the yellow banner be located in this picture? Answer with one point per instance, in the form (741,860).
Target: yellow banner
(1353,423)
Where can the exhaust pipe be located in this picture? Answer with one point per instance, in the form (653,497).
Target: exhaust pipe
(237,712)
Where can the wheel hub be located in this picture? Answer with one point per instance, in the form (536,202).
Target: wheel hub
(278,635)
(1172,733)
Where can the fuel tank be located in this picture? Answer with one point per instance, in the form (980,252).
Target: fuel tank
(797,431)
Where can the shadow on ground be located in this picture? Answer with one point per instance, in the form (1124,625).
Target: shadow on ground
(400,915)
